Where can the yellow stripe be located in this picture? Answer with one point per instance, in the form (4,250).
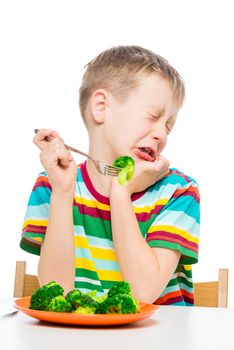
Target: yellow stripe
(149,208)
(85,264)
(81,242)
(92,203)
(95,204)
(175,230)
(38,239)
(102,274)
(102,253)
(98,253)
(35,222)
(109,275)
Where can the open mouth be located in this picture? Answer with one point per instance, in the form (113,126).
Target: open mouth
(145,153)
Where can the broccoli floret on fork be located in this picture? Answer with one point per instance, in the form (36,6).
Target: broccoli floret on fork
(127,166)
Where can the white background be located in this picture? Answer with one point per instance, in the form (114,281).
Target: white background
(44,47)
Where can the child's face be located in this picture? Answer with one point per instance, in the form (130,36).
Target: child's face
(140,126)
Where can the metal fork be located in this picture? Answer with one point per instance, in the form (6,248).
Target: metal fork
(104,169)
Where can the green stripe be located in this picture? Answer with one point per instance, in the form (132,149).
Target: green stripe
(87,285)
(87,273)
(188,257)
(188,273)
(182,279)
(33,249)
(96,227)
(107,284)
(32,235)
(173,282)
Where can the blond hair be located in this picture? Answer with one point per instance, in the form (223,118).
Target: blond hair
(117,70)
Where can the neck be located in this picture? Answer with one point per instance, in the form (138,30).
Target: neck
(100,182)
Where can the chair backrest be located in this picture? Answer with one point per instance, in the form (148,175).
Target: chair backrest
(25,285)
(212,294)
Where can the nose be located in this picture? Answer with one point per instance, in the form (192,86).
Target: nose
(159,132)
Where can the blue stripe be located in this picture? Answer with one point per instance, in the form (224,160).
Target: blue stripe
(40,196)
(186,204)
(40,212)
(178,219)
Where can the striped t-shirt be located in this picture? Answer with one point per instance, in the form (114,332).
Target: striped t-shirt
(167,214)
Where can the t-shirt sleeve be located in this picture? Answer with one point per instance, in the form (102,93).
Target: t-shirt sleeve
(36,217)
(177,225)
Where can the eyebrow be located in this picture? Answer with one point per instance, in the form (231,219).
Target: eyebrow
(157,109)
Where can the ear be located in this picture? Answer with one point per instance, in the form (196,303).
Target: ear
(98,105)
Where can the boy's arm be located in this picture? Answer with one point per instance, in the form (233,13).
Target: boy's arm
(57,259)
(147,269)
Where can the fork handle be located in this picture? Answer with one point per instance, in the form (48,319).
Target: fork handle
(70,148)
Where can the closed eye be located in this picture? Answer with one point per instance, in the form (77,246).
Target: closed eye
(154,116)
(169,127)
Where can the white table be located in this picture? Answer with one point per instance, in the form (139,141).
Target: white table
(171,327)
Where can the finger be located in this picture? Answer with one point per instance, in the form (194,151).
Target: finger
(56,152)
(161,163)
(65,159)
(42,137)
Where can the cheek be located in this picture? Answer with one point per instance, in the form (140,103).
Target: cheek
(162,145)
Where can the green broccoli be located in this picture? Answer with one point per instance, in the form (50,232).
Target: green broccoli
(127,166)
(41,298)
(59,304)
(74,298)
(122,287)
(81,302)
(119,304)
(87,305)
(85,310)
(93,295)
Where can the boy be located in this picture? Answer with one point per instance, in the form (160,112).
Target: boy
(89,230)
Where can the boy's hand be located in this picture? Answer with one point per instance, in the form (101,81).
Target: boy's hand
(146,174)
(57,161)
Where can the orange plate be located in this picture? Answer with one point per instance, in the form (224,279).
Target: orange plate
(146,310)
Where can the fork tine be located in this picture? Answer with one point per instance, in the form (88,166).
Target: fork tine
(111,170)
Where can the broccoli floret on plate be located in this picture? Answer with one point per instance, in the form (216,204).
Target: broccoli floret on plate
(119,304)
(81,303)
(127,166)
(59,304)
(122,287)
(74,298)
(41,298)
(93,295)
(87,305)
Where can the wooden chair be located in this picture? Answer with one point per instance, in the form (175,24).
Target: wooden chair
(212,294)
(25,284)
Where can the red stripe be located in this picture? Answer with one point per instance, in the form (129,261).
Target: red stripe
(93,212)
(176,172)
(191,191)
(35,229)
(172,237)
(171,295)
(175,297)
(142,217)
(42,184)
(98,196)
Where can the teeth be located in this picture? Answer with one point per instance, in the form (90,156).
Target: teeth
(145,149)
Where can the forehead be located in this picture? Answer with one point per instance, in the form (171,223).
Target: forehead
(155,92)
